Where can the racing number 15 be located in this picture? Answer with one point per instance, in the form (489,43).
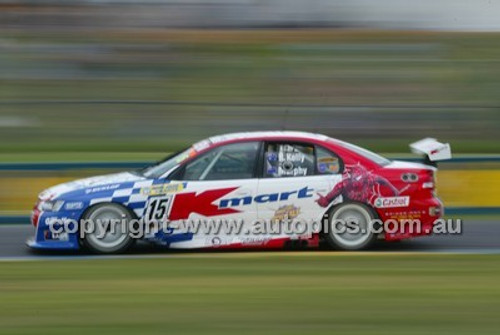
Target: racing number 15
(157,208)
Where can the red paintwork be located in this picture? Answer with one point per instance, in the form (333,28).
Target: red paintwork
(201,203)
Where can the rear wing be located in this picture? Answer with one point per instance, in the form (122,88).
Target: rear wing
(432,149)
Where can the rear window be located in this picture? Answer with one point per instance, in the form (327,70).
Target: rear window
(380,160)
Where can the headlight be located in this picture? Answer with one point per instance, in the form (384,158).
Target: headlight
(51,206)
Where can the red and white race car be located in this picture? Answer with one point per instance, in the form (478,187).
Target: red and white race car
(248,190)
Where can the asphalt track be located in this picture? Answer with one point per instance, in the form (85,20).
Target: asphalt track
(481,236)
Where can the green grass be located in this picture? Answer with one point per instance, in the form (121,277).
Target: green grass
(272,70)
(270,293)
(47,157)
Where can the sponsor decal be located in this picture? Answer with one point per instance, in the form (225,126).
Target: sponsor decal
(162,189)
(52,220)
(402,215)
(157,209)
(390,202)
(102,188)
(328,165)
(201,203)
(71,206)
(439,149)
(327,160)
(272,170)
(272,156)
(48,235)
(287,212)
(361,185)
(305,192)
(216,240)
(255,241)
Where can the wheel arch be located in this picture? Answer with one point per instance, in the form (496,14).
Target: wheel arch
(90,207)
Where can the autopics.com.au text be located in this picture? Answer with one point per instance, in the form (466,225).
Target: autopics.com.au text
(138,228)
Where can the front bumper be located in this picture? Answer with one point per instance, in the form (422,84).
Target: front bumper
(52,245)
(48,239)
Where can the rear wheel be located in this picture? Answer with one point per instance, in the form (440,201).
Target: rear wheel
(111,229)
(350,227)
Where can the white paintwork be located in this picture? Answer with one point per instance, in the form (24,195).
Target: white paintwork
(435,150)
(96,181)
(408,165)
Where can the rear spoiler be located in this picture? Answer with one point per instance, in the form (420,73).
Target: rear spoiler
(432,149)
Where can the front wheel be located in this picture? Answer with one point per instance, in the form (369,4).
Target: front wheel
(350,227)
(110,233)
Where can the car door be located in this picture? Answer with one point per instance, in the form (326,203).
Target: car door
(219,189)
(293,175)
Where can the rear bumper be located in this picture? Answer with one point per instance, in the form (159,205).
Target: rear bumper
(416,220)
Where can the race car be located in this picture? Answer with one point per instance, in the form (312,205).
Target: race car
(216,193)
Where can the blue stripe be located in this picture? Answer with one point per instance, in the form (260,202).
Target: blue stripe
(25,219)
(121,199)
(136,205)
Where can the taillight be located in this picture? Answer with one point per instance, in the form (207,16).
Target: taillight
(428,184)
(428,181)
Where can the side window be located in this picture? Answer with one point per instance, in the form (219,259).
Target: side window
(195,168)
(326,162)
(288,160)
(233,161)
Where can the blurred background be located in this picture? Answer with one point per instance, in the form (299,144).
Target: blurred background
(122,82)
(90,87)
